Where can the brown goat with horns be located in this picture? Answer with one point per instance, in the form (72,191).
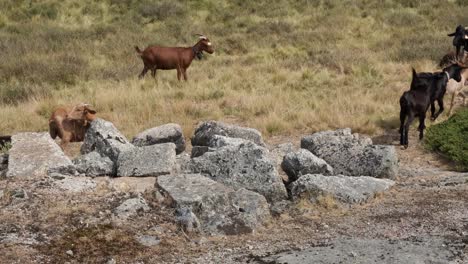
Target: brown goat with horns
(169,58)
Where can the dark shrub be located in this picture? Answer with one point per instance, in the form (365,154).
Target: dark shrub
(451,138)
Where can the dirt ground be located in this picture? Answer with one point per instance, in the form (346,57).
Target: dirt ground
(40,224)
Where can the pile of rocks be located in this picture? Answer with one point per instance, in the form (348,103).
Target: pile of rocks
(228,183)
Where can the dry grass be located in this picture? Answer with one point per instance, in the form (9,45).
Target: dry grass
(296,67)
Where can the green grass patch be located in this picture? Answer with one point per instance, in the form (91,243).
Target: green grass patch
(451,138)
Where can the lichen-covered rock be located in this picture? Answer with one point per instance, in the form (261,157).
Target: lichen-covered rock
(187,220)
(302,162)
(131,207)
(244,165)
(206,130)
(151,160)
(162,134)
(343,188)
(104,138)
(75,184)
(352,154)
(36,154)
(93,164)
(217,208)
(215,143)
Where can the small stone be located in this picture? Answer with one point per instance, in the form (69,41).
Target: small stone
(70,253)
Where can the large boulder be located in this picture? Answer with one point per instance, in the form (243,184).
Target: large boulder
(36,154)
(352,154)
(104,138)
(161,134)
(218,208)
(242,164)
(151,160)
(302,162)
(206,130)
(343,188)
(93,164)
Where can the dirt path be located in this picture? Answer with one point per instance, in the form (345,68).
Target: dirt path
(425,216)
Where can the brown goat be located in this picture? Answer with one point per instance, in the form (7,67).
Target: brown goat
(169,58)
(70,124)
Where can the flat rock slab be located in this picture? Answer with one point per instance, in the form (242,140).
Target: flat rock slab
(364,251)
(242,164)
(131,184)
(206,130)
(151,160)
(162,134)
(219,209)
(75,184)
(352,154)
(34,154)
(343,188)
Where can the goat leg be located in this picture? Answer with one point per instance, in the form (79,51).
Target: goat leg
(402,126)
(407,126)
(433,111)
(440,101)
(143,72)
(451,104)
(422,126)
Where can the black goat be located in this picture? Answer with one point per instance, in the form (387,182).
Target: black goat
(425,89)
(459,39)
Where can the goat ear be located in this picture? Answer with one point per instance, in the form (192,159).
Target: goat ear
(414,73)
(451,34)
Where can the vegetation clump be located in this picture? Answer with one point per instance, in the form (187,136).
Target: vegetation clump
(451,138)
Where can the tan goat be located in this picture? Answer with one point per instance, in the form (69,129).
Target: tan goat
(71,123)
(453,87)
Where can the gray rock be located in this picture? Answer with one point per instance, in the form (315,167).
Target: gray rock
(105,139)
(215,143)
(75,184)
(162,134)
(245,165)
(302,162)
(151,160)
(206,130)
(183,163)
(66,170)
(131,207)
(93,164)
(343,188)
(279,151)
(187,220)
(19,194)
(131,184)
(353,154)
(148,241)
(34,154)
(217,209)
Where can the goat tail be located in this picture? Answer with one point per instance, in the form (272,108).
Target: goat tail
(138,50)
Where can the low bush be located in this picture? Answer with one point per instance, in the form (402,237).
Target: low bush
(451,138)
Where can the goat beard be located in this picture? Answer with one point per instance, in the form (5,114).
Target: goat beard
(199,55)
